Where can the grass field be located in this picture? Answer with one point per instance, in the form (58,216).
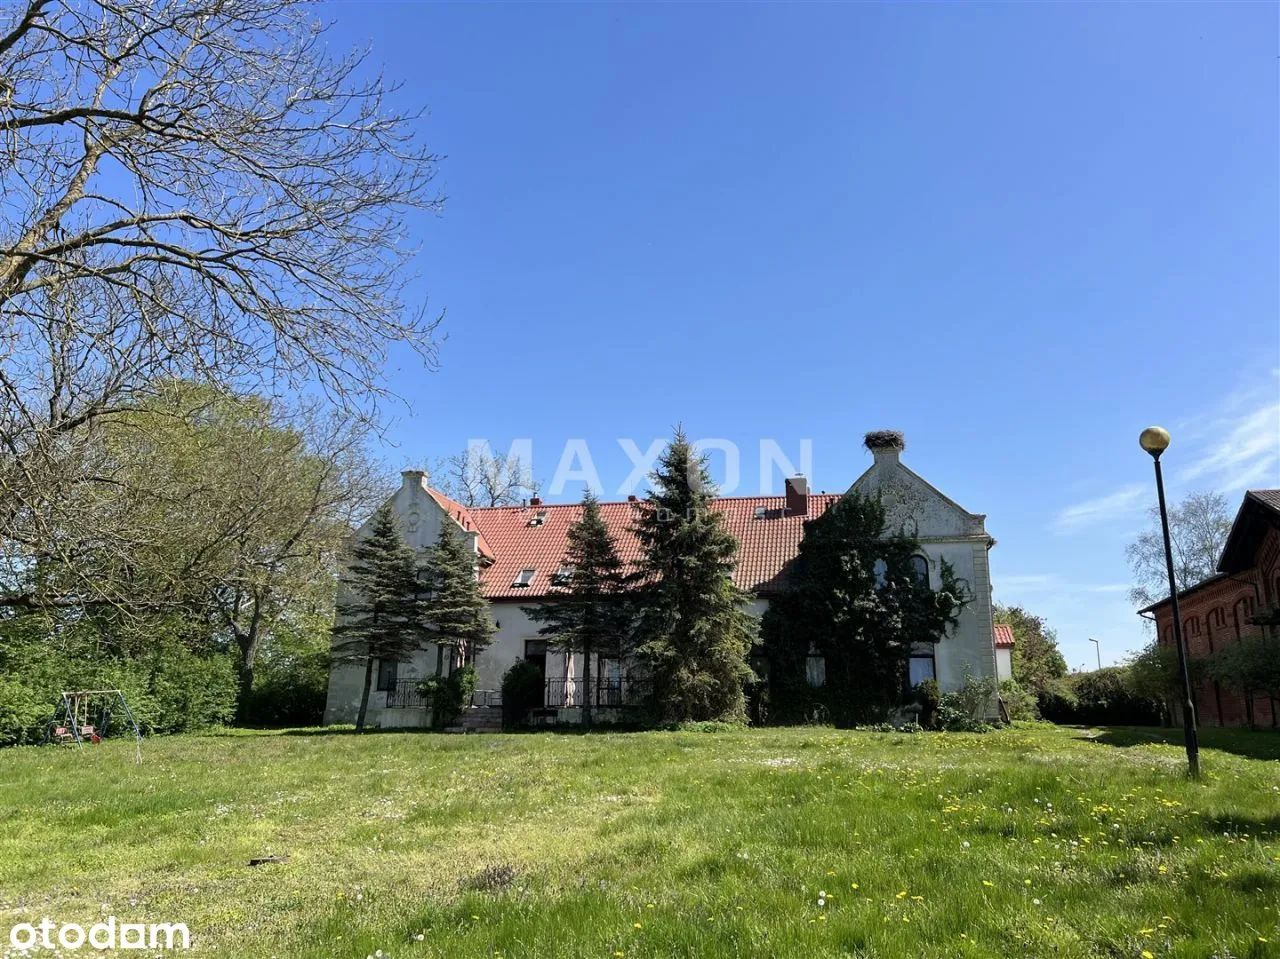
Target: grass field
(1025,842)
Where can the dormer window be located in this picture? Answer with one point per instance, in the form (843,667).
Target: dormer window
(539,518)
(525,579)
(761,512)
(562,576)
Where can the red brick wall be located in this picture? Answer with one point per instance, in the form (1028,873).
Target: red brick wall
(1217,615)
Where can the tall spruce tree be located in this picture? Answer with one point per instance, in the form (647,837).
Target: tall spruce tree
(591,613)
(456,611)
(857,599)
(693,628)
(380,613)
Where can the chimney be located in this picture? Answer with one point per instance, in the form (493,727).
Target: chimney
(885,446)
(797,496)
(632,498)
(536,501)
(413,478)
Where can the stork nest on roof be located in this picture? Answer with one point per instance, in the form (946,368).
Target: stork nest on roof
(884,440)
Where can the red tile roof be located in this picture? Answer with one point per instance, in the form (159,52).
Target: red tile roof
(1003,636)
(766,545)
(464,517)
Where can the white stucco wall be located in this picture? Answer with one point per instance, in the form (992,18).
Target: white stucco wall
(1004,664)
(947,532)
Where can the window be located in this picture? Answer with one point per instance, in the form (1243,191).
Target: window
(386,675)
(760,512)
(920,668)
(920,566)
(539,518)
(535,648)
(524,579)
(562,576)
(815,667)
(881,572)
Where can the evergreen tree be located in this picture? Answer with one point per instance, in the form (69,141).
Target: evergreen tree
(380,615)
(693,628)
(590,613)
(456,611)
(857,599)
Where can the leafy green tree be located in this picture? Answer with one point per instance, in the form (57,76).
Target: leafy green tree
(858,600)
(693,628)
(224,508)
(1038,665)
(591,612)
(381,614)
(1154,675)
(457,613)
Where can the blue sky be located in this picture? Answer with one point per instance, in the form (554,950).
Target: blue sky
(1018,233)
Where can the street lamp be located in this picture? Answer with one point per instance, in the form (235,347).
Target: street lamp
(1155,440)
(1097,649)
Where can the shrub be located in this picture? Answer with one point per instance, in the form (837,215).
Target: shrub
(1019,703)
(523,689)
(23,713)
(1104,697)
(448,696)
(928,696)
(1057,702)
(965,709)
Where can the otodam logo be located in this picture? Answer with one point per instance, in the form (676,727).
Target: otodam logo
(108,934)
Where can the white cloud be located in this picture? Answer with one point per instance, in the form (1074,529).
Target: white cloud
(1246,452)
(1123,502)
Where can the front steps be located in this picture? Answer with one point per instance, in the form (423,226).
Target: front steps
(478,719)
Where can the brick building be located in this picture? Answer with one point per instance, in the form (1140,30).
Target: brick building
(1223,608)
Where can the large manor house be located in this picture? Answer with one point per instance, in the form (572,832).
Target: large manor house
(519,560)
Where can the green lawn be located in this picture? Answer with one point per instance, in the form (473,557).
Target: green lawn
(1025,842)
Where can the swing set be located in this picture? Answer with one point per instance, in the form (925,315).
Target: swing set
(74,720)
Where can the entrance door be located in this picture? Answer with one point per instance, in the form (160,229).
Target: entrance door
(535,651)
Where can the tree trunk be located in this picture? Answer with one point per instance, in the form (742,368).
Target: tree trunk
(248,640)
(586,683)
(364,694)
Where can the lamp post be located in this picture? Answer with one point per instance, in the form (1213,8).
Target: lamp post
(1155,440)
(1097,648)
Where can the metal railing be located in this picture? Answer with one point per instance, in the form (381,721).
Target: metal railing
(404,695)
(604,692)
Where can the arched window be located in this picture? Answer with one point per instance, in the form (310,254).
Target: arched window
(920,567)
(1241,615)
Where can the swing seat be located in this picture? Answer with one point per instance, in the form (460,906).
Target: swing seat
(62,734)
(86,732)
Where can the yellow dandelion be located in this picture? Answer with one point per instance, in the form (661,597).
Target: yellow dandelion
(987,882)
(636,925)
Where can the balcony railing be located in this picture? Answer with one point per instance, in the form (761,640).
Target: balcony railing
(604,692)
(404,695)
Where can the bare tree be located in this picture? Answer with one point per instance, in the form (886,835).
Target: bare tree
(191,189)
(1198,528)
(477,477)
